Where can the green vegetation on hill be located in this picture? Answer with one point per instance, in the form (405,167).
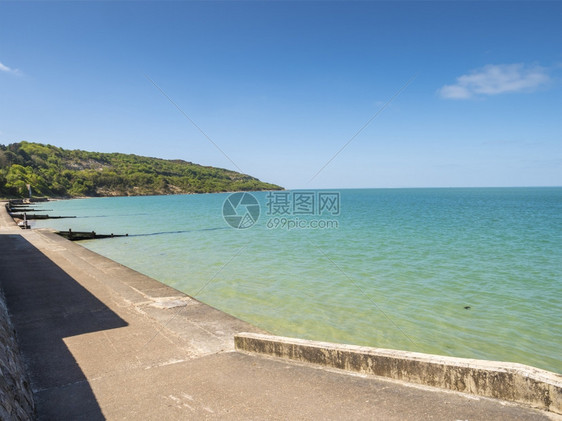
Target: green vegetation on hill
(56,172)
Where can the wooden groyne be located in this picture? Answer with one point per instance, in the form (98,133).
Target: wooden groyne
(23,209)
(19,208)
(85,235)
(37,216)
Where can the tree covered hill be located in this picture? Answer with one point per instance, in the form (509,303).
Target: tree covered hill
(57,172)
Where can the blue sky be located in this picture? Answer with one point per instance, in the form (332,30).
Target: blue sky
(281,86)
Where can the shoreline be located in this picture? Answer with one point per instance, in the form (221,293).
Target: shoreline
(468,375)
(516,354)
(509,354)
(56,198)
(5,199)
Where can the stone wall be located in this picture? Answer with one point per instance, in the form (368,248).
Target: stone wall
(16,397)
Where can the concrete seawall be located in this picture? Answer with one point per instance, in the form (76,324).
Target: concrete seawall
(507,381)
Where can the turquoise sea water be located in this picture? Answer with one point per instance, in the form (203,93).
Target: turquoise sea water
(397,271)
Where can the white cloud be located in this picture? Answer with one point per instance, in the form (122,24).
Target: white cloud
(496,79)
(4,68)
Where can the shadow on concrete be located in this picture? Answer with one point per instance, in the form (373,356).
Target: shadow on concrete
(47,305)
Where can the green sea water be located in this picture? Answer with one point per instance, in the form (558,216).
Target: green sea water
(472,272)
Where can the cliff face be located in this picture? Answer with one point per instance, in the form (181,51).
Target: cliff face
(56,172)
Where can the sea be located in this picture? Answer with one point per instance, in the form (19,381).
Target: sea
(464,272)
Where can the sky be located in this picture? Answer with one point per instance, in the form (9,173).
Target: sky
(312,94)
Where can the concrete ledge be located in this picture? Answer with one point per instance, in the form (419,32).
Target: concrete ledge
(506,381)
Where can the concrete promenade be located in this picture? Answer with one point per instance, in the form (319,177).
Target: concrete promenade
(102,341)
